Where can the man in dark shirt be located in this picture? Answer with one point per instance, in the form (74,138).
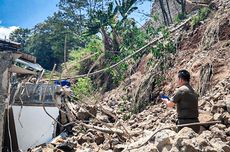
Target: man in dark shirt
(186,101)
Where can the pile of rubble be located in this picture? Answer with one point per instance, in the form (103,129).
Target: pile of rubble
(108,122)
(140,132)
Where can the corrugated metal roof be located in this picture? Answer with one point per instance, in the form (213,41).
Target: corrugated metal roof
(35,66)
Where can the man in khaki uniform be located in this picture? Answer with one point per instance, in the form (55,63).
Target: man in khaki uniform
(186,101)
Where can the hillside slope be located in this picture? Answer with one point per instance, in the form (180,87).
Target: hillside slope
(127,117)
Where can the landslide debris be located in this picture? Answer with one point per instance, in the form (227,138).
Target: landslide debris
(112,122)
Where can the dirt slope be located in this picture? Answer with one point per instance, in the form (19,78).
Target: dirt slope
(205,52)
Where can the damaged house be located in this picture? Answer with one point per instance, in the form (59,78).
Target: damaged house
(26,104)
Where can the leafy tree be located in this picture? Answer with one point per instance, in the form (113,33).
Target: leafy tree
(110,22)
(20,35)
(47,40)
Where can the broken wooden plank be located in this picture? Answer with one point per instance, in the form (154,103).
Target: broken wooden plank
(19,70)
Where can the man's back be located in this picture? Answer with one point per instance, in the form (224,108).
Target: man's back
(187,102)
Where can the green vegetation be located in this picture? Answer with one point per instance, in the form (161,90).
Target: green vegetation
(126,116)
(165,46)
(94,47)
(179,17)
(83,87)
(101,27)
(202,14)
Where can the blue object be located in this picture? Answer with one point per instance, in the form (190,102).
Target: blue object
(162,96)
(56,82)
(63,83)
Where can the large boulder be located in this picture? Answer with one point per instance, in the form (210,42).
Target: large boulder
(218,131)
(219,145)
(87,112)
(187,145)
(164,139)
(183,140)
(205,117)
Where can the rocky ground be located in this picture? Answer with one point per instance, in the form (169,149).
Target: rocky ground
(114,124)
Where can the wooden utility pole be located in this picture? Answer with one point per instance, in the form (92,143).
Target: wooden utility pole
(65,49)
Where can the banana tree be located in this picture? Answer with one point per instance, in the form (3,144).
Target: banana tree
(109,22)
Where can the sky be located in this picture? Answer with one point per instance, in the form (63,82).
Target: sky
(28,13)
(24,13)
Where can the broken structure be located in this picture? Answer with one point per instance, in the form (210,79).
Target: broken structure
(23,121)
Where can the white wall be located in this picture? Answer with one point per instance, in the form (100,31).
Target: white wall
(36,126)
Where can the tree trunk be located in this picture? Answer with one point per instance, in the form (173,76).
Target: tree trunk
(170,16)
(183,7)
(106,40)
(165,15)
(116,43)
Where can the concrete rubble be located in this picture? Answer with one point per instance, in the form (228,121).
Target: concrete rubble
(114,122)
(113,126)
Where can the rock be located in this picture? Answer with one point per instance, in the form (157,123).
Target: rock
(82,114)
(205,117)
(217,133)
(202,142)
(182,139)
(174,149)
(226,148)
(112,102)
(149,117)
(228,139)
(118,148)
(103,118)
(206,135)
(99,139)
(147,148)
(210,149)
(164,138)
(92,109)
(106,146)
(135,125)
(216,116)
(166,148)
(225,118)
(82,138)
(187,145)
(220,126)
(217,108)
(227,102)
(36,149)
(66,146)
(115,141)
(216,96)
(219,145)
(87,148)
(131,122)
(227,131)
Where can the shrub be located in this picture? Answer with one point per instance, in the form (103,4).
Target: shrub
(83,87)
(202,14)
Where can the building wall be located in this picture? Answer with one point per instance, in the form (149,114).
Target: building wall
(5,62)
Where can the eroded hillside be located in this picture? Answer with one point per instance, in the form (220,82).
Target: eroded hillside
(128,118)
